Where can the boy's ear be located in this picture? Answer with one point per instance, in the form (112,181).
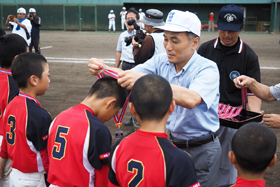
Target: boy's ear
(33,79)
(232,158)
(132,109)
(172,107)
(273,161)
(110,102)
(14,58)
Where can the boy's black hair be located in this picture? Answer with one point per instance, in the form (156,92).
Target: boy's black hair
(254,146)
(133,11)
(10,46)
(26,65)
(108,87)
(151,96)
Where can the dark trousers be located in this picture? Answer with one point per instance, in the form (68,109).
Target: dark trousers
(35,43)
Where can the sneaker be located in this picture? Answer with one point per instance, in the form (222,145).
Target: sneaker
(128,123)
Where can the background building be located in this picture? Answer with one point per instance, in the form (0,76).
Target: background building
(91,15)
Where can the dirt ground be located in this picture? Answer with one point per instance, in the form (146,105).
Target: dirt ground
(71,80)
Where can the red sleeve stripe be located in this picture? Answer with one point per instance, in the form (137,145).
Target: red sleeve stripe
(105,155)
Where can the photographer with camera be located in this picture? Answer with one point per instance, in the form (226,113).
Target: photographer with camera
(153,43)
(20,25)
(124,47)
(35,32)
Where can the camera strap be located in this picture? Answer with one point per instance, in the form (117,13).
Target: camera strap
(117,118)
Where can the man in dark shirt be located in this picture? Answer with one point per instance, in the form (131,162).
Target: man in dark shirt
(234,58)
(35,32)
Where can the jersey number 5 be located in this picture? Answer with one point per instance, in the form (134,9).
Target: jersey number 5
(139,174)
(11,136)
(58,152)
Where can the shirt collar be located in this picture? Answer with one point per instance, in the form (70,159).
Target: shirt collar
(238,49)
(84,107)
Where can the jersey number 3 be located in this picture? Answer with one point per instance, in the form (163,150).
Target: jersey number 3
(11,136)
(58,152)
(139,174)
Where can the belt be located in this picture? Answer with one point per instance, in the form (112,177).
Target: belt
(127,62)
(194,142)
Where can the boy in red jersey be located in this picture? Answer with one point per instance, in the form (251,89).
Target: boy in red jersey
(11,45)
(26,124)
(146,157)
(79,143)
(253,150)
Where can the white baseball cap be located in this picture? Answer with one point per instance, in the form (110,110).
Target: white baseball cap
(32,10)
(111,10)
(140,9)
(180,21)
(21,10)
(123,8)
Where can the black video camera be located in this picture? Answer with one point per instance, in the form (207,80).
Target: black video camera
(138,37)
(31,14)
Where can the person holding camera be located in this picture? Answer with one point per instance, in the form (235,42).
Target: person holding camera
(124,47)
(20,25)
(35,32)
(153,43)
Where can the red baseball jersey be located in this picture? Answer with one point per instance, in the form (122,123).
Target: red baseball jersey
(148,159)
(26,127)
(78,145)
(9,90)
(243,182)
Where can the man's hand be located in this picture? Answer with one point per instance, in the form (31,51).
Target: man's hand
(2,166)
(272,120)
(15,20)
(134,43)
(128,78)
(28,17)
(94,66)
(243,81)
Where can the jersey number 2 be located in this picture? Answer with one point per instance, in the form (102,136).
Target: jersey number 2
(11,136)
(58,152)
(139,175)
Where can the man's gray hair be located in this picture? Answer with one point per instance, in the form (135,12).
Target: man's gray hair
(191,36)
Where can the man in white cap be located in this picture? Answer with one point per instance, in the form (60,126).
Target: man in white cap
(112,22)
(20,25)
(141,14)
(35,32)
(122,14)
(195,84)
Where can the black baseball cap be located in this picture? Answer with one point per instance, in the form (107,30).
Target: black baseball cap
(230,18)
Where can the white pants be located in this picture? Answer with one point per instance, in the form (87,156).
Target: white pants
(19,179)
(112,24)
(123,23)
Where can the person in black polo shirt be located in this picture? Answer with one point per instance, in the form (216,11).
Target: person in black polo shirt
(234,58)
(35,32)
